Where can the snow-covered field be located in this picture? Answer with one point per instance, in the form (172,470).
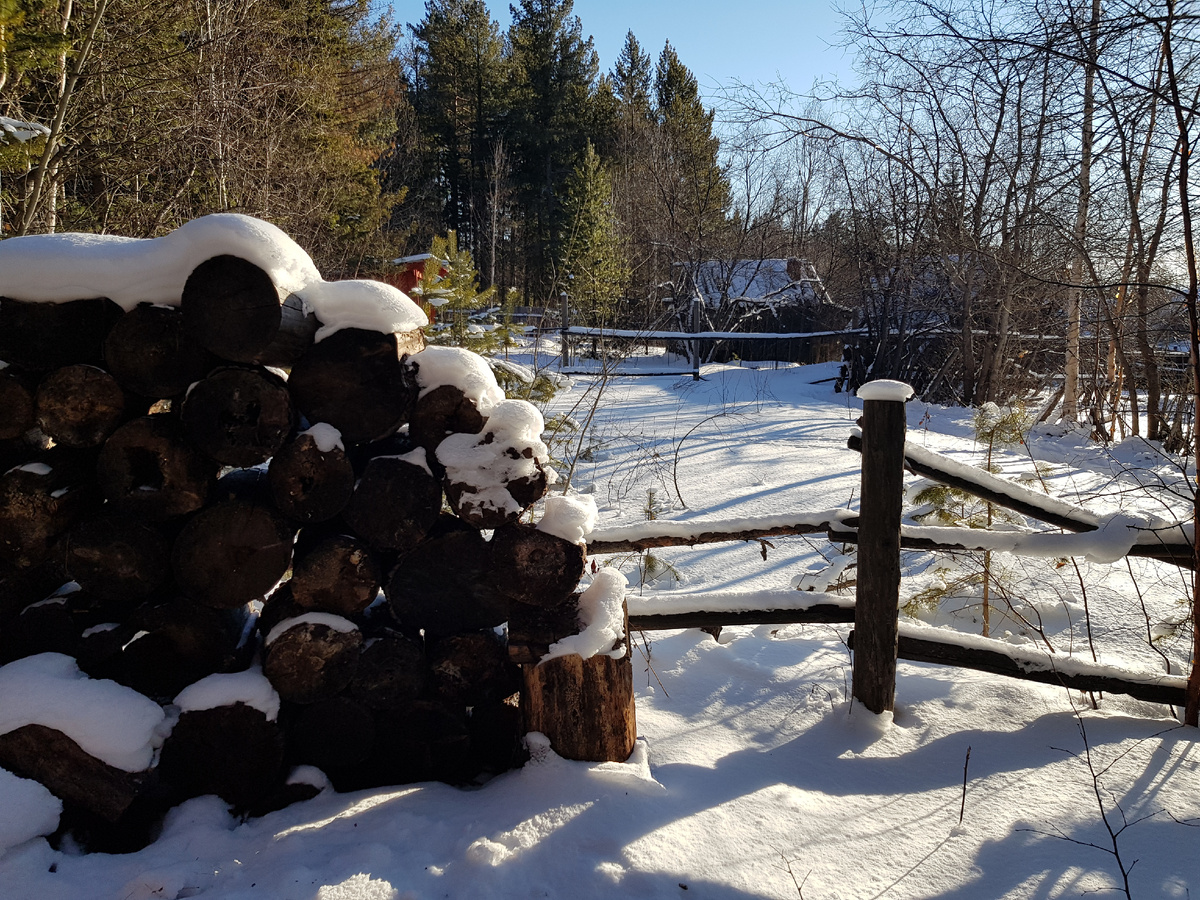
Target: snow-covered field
(754,775)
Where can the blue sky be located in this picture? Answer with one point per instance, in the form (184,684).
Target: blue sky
(719,40)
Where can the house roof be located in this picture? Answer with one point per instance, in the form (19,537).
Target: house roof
(764,281)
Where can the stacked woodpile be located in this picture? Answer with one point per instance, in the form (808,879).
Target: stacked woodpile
(174,505)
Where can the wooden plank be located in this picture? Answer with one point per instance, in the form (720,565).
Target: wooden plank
(823,614)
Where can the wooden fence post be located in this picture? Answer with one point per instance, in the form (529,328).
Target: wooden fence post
(565,313)
(877,595)
(695,328)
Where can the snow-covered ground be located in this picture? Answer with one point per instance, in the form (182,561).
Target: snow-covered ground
(754,775)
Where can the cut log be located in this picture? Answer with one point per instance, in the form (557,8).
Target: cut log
(446,585)
(38,503)
(391,672)
(308,483)
(233,751)
(48,756)
(356,381)
(443,411)
(42,336)
(584,706)
(118,558)
(147,353)
(148,469)
(311,661)
(232,308)
(238,416)
(535,567)
(424,741)
(172,645)
(331,734)
(337,575)
(16,404)
(532,629)
(79,406)
(472,669)
(394,505)
(496,736)
(231,553)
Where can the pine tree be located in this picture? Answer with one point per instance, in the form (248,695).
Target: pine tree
(592,255)
(553,77)
(455,295)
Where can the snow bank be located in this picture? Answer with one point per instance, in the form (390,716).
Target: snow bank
(602,617)
(27,810)
(111,722)
(56,268)
(250,687)
(570,518)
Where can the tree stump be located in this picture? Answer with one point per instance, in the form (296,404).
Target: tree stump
(584,706)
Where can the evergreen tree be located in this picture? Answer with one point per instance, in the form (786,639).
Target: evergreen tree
(553,79)
(454,295)
(592,261)
(457,95)
(632,78)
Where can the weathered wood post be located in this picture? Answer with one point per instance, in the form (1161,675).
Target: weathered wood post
(877,596)
(565,313)
(695,329)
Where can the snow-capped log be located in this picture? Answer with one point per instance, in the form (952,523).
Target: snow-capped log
(118,557)
(234,751)
(395,503)
(535,567)
(148,354)
(80,405)
(148,469)
(16,403)
(447,585)
(392,671)
(232,552)
(472,668)
(38,503)
(312,657)
(239,416)
(441,412)
(337,574)
(48,756)
(232,308)
(331,734)
(42,336)
(169,645)
(356,381)
(311,476)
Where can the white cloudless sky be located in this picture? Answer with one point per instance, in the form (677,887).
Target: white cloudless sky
(721,41)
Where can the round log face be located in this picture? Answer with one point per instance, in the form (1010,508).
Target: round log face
(148,354)
(472,669)
(232,553)
(394,505)
(42,336)
(79,406)
(35,508)
(391,672)
(338,575)
(239,417)
(308,484)
(231,307)
(311,662)
(443,411)
(355,380)
(534,567)
(147,469)
(446,585)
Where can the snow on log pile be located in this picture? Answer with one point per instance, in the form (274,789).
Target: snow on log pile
(206,535)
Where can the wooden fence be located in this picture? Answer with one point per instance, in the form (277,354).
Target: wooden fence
(878,639)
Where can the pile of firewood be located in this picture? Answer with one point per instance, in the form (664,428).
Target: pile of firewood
(175,505)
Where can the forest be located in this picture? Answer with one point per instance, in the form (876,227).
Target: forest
(1001,199)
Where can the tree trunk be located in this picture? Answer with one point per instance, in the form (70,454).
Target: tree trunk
(309,484)
(79,406)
